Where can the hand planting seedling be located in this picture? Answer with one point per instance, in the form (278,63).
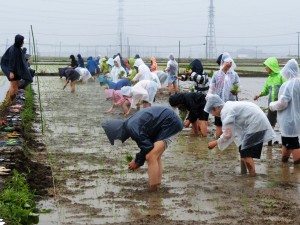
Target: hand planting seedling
(235,89)
(128,158)
(121,74)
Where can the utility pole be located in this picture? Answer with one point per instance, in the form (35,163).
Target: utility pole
(298,44)
(211,43)
(206,46)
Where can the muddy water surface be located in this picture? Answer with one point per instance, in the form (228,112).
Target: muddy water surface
(94,186)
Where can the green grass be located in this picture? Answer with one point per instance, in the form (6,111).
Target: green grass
(28,112)
(17,205)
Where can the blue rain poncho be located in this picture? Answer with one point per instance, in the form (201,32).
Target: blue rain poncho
(145,127)
(242,122)
(288,104)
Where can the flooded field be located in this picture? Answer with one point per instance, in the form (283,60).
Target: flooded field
(200,186)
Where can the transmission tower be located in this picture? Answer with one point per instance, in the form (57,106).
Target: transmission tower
(120,34)
(211,50)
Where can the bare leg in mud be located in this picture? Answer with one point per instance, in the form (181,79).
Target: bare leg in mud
(155,168)
(294,152)
(243,167)
(250,165)
(73,86)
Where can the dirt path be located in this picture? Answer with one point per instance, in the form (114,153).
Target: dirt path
(200,186)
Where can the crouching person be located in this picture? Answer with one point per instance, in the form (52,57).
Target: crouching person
(151,128)
(193,103)
(243,122)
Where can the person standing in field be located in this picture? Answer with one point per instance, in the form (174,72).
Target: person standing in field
(80,61)
(74,62)
(15,67)
(245,124)
(172,70)
(222,83)
(271,88)
(151,128)
(287,107)
(154,65)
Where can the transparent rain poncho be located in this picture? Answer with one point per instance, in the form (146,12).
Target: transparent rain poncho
(116,70)
(156,79)
(144,90)
(144,72)
(84,73)
(243,122)
(222,83)
(288,104)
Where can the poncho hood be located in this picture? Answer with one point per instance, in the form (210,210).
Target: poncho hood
(19,40)
(272,63)
(114,130)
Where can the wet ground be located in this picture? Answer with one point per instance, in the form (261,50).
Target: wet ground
(200,186)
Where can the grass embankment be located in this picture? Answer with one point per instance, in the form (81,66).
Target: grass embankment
(17,205)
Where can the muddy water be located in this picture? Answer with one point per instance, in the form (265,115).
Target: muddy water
(94,186)
(4,85)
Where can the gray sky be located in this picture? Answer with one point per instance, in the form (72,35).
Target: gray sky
(153,27)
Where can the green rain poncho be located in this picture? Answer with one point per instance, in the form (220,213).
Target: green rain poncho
(274,81)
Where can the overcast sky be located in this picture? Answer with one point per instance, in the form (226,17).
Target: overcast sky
(153,27)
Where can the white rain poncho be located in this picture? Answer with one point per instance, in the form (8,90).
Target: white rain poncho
(156,79)
(288,104)
(116,70)
(172,66)
(144,72)
(222,83)
(243,122)
(144,90)
(84,73)
(162,76)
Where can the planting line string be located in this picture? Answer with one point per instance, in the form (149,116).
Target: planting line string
(37,79)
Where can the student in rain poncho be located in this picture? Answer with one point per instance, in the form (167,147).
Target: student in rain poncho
(162,76)
(85,75)
(271,87)
(288,111)
(104,68)
(151,129)
(118,99)
(154,65)
(195,73)
(245,124)
(143,73)
(142,92)
(172,70)
(117,72)
(73,76)
(91,65)
(222,83)
(80,61)
(193,103)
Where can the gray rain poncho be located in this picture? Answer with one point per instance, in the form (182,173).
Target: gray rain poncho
(288,104)
(243,122)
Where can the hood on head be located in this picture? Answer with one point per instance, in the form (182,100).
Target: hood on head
(126,90)
(138,62)
(176,99)
(290,70)
(19,41)
(272,63)
(114,130)
(171,56)
(197,66)
(212,102)
(79,56)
